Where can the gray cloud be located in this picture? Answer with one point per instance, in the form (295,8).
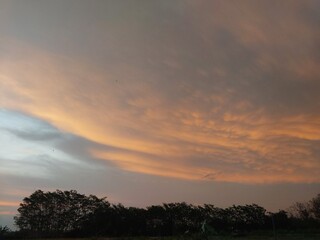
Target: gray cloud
(35,135)
(179,43)
(212,91)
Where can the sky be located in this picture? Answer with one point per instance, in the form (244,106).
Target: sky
(147,101)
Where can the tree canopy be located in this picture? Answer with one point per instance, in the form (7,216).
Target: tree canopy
(59,211)
(69,213)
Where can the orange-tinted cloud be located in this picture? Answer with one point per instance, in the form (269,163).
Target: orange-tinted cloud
(233,101)
(8,204)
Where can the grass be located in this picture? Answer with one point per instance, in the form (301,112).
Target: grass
(259,236)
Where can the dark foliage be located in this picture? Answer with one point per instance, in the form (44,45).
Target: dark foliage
(54,213)
(4,231)
(70,214)
(305,214)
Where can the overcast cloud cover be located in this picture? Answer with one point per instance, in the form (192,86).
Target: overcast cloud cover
(197,101)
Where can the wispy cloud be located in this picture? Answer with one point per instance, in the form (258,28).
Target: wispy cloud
(6,204)
(219,91)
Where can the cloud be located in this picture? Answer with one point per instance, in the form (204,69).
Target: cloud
(42,136)
(27,128)
(36,160)
(10,204)
(218,91)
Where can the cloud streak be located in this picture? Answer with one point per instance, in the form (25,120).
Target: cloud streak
(220,91)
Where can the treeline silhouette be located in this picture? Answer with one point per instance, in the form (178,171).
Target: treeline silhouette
(71,214)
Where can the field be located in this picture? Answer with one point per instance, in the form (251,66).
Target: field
(288,236)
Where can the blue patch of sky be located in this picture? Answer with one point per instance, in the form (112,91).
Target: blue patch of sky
(28,146)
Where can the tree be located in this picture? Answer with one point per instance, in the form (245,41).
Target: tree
(281,219)
(4,231)
(70,214)
(315,207)
(246,218)
(57,212)
(216,218)
(300,210)
(306,214)
(156,217)
(181,218)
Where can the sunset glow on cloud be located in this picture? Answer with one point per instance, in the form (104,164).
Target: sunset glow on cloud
(199,91)
(198,135)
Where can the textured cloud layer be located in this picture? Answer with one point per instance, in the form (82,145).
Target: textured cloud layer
(201,90)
